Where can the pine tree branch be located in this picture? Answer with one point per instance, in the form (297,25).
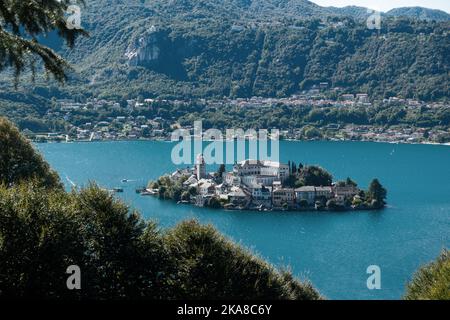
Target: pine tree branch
(21,22)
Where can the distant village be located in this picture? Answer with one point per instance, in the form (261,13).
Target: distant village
(125,126)
(255,185)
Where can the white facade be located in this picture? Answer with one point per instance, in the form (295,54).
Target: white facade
(266,180)
(232,179)
(263,169)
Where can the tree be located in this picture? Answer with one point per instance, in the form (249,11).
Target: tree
(221,171)
(376,194)
(314,176)
(290,181)
(214,203)
(185,196)
(124,256)
(162,191)
(350,182)
(22,22)
(303,203)
(19,161)
(431,282)
(45,231)
(120,255)
(333,205)
(294,169)
(215,267)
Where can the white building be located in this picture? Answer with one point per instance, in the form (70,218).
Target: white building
(232,179)
(206,187)
(265,180)
(311,193)
(270,170)
(260,195)
(307,193)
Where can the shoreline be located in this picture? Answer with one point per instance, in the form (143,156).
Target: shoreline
(292,140)
(280,210)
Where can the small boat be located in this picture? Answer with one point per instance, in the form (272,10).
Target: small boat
(124,180)
(149,192)
(118,190)
(140,190)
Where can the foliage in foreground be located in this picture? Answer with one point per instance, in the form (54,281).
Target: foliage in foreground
(216,267)
(431,282)
(44,229)
(19,161)
(21,24)
(42,232)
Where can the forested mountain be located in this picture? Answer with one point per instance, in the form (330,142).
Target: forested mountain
(419,13)
(242,48)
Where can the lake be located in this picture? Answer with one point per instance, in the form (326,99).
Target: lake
(332,250)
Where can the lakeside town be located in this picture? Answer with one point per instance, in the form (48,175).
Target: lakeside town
(132,121)
(265,186)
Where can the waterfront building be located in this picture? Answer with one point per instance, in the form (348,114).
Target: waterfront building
(307,193)
(238,196)
(326,192)
(266,180)
(283,197)
(201,200)
(345,191)
(261,168)
(260,195)
(311,193)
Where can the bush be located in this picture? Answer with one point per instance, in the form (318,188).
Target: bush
(314,176)
(19,161)
(212,267)
(303,203)
(431,282)
(44,230)
(214,203)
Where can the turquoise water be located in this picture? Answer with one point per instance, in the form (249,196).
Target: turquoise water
(333,250)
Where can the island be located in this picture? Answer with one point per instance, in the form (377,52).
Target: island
(265,186)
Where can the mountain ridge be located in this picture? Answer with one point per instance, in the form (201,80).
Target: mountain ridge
(185,48)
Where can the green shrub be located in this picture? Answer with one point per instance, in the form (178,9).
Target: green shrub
(19,160)
(44,230)
(213,267)
(431,282)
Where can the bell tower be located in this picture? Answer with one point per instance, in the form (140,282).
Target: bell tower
(200,167)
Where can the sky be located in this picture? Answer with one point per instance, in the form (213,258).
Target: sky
(386,5)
